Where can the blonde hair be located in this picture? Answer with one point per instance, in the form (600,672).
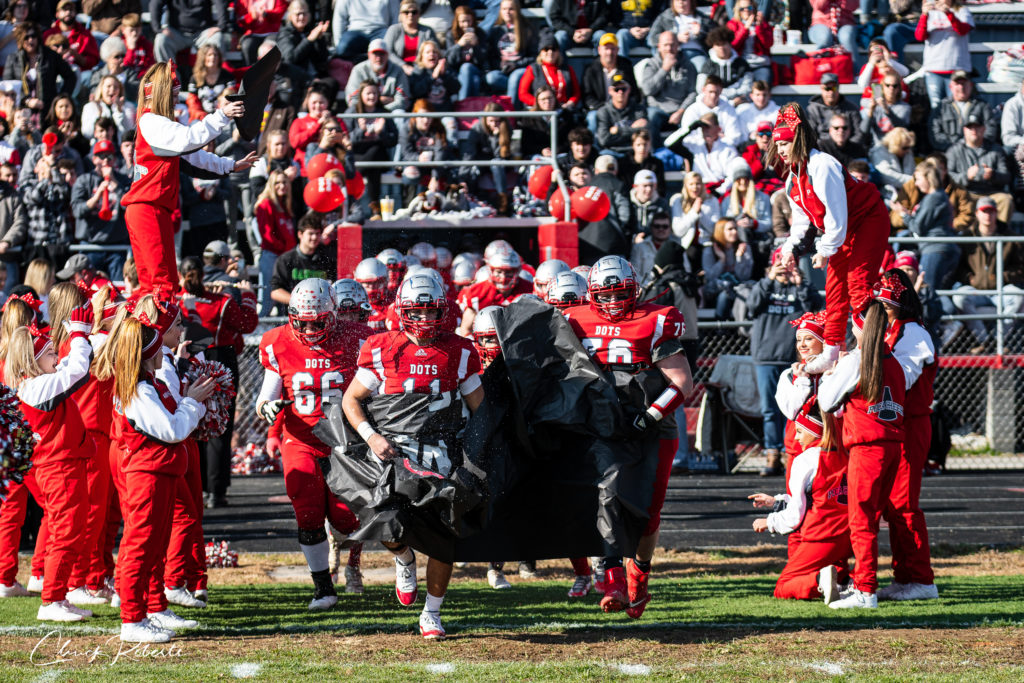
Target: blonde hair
(898,138)
(929,172)
(21,362)
(17,314)
(99,301)
(199,71)
(103,368)
(687,199)
(127,354)
(269,193)
(64,298)
(130,273)
(162,101)
(423,48)
(745,204)
(39,276)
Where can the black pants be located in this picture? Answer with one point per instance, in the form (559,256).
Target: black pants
(217,451)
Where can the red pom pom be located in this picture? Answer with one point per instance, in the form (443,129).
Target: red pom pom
(556,205)
(540,181)
(323,195)
(218,406)
(319,165)
(590,203)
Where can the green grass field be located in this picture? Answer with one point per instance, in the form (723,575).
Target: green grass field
(702,627)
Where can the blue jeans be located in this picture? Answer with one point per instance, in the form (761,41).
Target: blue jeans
(938,263)
(696,57)
(822,37)
(656,119)
(469,81)
(352,45)
(937,86)
(12,277)
(879,6)
(897,36)
(762,73)
(499,82)
(774,421)
(110,262)
(266,264)
(627,42)
(491,16)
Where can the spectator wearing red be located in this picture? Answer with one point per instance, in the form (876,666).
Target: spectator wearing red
(765,177)
(138,55)
(403,40)
(275,225)
(84,49)
(258,19)
(752,39)
(306,129)
(943,28)
(550,70)
(833,23)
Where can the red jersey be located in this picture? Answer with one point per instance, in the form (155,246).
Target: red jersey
(480,295)
(310,374)
(390,363)
(865,422)
(827,516)
(634,340)
(95,398)
(226,320)
(378,318)
(451,321)
(157,179)
(149,441)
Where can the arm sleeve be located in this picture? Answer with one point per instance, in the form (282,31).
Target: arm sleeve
(148,416)
(828,183)
(168,374)
(792,393)
(170,138)
(801,475)
(798,227)
(210,162)
(370,369)
(961,26)
(921,31)
(272,387)
(46,392)
(835,388)
(913,350)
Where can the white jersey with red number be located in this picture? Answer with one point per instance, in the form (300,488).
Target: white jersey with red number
(483,294)
(308,374)
(390,363)
(632,341)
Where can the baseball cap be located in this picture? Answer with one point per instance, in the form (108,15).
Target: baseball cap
(62,3)
(974,119)
(217,248)
(986,204)
(829,79)
(104,147)
(645,176)
(548,41)
(906,258)
(765,128)
(960,75)
(377,45)
(608,39)
(619,82)
(74,264)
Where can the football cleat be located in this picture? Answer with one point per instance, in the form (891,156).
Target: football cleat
(353,580)
(636,587)
(405,582)
(545,275)
(496,578)
(311,311)
(581,586)
(430,626)
(917,591)
(856,600)
(828,584)
(613,288)
(616,597)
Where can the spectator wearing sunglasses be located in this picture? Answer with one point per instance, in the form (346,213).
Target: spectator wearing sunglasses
(839,142)
(43,74)
(829,102)
(403,39)
(885,112)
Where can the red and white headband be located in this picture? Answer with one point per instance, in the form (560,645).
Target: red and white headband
(810,424)
(813,323)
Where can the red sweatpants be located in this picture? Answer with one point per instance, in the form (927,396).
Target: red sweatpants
(666,453)
(799,578)
(66,498)
(90,570)
(186,551)
(869,478)
(148,508)
(113,521)
(151,231)
(12,519)
(311,499)
(853,271)
(908,533)
(42,539)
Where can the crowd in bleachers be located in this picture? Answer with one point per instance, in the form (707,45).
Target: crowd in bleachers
(666,105)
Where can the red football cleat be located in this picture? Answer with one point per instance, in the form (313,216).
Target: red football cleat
(636,581)
(615,597)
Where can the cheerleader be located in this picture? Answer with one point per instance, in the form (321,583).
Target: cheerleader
(45,385)
(871,385)
(812,512)
(796,385)
(912,346)
(152,426)
(850,214)
(160,144)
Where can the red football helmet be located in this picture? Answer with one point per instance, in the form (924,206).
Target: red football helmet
(613,288)
(311,311)
(421,304)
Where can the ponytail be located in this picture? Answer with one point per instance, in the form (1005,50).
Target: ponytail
(21,358)
(911,307)
(829,433)
(133,337)
(192,276)
(64,298)
(873,351)
(17,314)
(103,368)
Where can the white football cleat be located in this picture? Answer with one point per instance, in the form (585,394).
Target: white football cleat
(15,590)
(430,626)
(144,631)
(323,604)
(62,610)
(181,596)
(170,621)
(581,586)
(405,582)
(353,580)
(115,600)
(917,591)
(891,590)
(828,583)
(856,600)
(823,361)
(497,579)
(35,584)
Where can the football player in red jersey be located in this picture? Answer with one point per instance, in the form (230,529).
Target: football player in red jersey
(373,276)
(566,290)
(545,276)
(620,335)
(310,359)
(419,358)
(451,320)
(502,286)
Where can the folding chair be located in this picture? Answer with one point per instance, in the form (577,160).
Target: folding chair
(730,410)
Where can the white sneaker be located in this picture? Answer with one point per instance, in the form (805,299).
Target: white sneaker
(82,596)
(497,579)
(35,584)
(323,604)
(430,626)
(405,582)
(201,594)
(460,565)
(144,631)
(828,583)
(527,570)
(823,361)
(115,600)
(106,593)
(62,610)
(170,621)
(856,600)
(891,590)
(917,591)
(581,586)
(181,596)
(15,590)
(353,580)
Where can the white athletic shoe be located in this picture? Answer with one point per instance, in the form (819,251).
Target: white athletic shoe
(405,582)
(430,625)
(353,580)
(115,600)
(917,591)
(201,594)
(35,584)
(144,631)
(106,593)
(181,596)
(828,583)
(497,579)
(823,361)
(323,604)
(81,596)
(62,610)
(856,600)
(15,590)
(527,570)
(891,590)
(170,621)
(460,565)
(581,586)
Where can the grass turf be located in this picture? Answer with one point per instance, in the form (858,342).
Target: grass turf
(708,627)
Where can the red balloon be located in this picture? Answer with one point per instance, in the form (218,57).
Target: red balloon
(590,203)
(318,166)
(355,186)
(556,205)
(323,195)
(540,181)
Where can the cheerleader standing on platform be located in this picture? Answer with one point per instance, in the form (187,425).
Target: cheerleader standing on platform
(160,144)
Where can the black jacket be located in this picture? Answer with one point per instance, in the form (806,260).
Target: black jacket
(190,16)
(297,50)
(849,152)
(819,114)
(600,15)
(50,66)
(595,91)
(772,305)
(292,267)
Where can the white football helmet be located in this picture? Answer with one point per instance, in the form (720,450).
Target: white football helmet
(373,276)
(463,273)
(582,271)
(311,311)
(567,289)
(496,246)
(396,264)
(503,266)
(421,305)
(468,256)
(444,258)
(546,273)
(613,288)
(483,328)
(350,297)
(426,253)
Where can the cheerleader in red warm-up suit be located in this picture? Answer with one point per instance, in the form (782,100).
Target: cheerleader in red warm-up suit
(871,386)
(849,215)
(812,512)
(796,386)
(152,425)
(912,346)
(160,143)
(45,385)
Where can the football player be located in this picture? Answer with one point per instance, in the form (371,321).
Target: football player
(451,321)
(567,289)
(307,361)
(396,264)
(418,358)
(545,275)
(502,286)
(373,276)
(621,335)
